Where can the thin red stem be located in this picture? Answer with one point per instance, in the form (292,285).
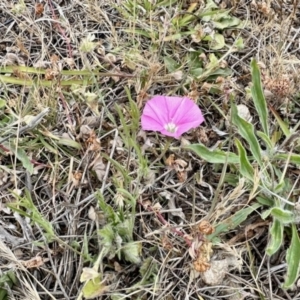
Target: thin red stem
(164,222)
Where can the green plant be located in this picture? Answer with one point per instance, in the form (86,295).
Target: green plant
(7,280)
(264,163)
(116,238)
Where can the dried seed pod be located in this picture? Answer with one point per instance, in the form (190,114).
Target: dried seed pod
(205,227)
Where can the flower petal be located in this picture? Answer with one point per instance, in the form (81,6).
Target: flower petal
(149,123)
(174,106)
(163,110)
(157,110)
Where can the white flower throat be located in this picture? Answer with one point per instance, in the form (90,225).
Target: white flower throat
(171,127)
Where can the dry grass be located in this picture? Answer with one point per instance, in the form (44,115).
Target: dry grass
(89,148)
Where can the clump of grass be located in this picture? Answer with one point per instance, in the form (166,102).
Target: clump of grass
(264,164)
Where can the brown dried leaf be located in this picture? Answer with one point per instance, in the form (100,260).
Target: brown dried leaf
(156,207)
(92,214)
(76,178)
(166,243)
(180,165)
(34,262)
(39,9)
(100,168)
(170,160)
(50,74)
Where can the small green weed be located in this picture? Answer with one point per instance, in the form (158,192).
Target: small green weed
(264,164)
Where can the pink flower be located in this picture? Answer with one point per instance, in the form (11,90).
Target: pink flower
(171,116)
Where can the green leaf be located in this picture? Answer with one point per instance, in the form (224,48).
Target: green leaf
(284,216)
(276,235)
(246,130)
(24,159)
(149,269)
(7,280)
(226,22)
(219,72)
(118,296)
(147,34)
(293,158)
(69,143)
(293,259)
(196,72)
(2,103)
(21,156)
(107,234)
(132,251)
(233,221)
(166,3)
(173,37)
(239,43)
(283,126)
(265,201)
(171,64)
(213,156)
(268,143)
(245,167)
(259,98)
(218,42)
(32,213)
(94,288)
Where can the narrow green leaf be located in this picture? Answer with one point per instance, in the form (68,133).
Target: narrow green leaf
(47,83)
(142,32)
(258,97)
(48,146)
(213,156)
(246,130)
(21,156)
(24,159)
(245,166)
(166,3)
(283,126)
(293,158)
(234,220)
(266,140)
(276,235)
(69,143)
(29,209)
(293,259)
(173,37)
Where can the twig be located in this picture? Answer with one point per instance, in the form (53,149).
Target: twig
(164,222)
(65,106)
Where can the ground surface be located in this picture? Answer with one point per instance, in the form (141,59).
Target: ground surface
(92,206)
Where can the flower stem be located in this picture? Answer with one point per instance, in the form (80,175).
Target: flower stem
(164,151)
